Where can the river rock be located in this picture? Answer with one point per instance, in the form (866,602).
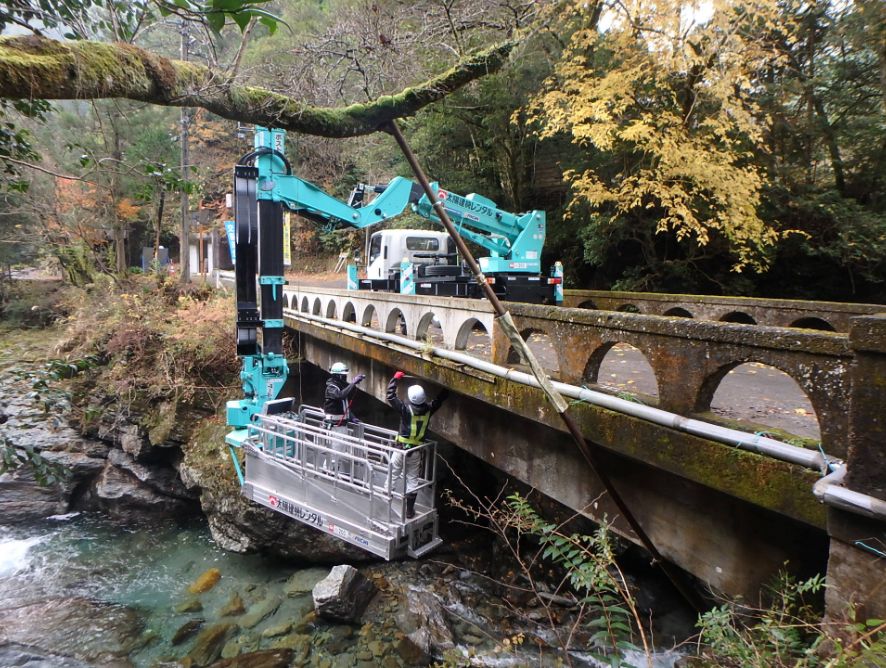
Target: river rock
(77,628)
(280,629)
(256,613)
(186,630)
(162,479)
(191,605)
(423,619)
(271,658)
(302,582)
(343,595)
(207,580)
(28,657)
(233,607)
(120,492)
(208,646)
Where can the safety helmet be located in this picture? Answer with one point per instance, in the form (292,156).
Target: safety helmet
(339,368)
(416,394)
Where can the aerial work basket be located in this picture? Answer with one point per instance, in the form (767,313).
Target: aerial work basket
(349,481)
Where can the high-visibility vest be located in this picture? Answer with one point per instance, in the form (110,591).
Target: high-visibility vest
(418,425)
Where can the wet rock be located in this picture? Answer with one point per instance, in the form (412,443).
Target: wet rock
(343,594)
(162,479)
(376,647)
(186,630)
(119,491)
(208,646)
(303,582)
(233,607)
(205,582)
(244,643)
(340,639)
(423,619)
(193,605)
(277,630)
(411,653)
(73,627)
(259,611)
(272,658)
(300,645)
(28,657)
(231,649)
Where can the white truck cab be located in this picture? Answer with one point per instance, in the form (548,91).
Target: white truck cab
(388,248)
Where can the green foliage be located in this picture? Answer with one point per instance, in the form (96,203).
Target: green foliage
(788,632)
(46,473)
(592,572)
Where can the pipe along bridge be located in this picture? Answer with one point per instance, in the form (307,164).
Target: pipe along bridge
(726,505)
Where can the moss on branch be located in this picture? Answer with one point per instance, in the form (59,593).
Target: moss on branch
(37,67)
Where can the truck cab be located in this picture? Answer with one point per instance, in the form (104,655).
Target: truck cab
(423,248)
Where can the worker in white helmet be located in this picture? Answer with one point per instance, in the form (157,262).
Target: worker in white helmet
(414,417)
(337,400)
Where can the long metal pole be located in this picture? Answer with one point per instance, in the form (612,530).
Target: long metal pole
(506,322)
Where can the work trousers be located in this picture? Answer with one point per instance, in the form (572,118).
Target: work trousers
(412,469)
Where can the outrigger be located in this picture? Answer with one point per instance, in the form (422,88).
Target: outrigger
(342,483)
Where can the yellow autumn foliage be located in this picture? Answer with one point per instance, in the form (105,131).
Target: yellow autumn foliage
(660,91)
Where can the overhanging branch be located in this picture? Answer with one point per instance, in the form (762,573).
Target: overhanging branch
(38,67)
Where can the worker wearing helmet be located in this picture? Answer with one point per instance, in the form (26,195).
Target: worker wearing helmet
(337,401)
(414,417)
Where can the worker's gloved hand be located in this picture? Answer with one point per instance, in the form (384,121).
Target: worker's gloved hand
(399,375)
(360,378)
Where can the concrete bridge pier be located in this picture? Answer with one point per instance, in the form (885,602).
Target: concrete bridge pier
(857,554)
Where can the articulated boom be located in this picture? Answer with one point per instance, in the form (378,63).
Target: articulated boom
(515,240)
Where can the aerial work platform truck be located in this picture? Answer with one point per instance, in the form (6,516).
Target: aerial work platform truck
(342,483)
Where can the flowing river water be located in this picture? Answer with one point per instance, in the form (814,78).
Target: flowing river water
(85,589)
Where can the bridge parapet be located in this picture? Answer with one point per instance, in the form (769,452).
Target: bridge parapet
(827,316)
(688,357)
(408,315)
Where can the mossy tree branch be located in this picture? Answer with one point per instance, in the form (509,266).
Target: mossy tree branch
(38,67)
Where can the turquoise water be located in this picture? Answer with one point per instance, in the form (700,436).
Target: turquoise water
(147,569)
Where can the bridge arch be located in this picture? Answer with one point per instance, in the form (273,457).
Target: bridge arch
(739,317)
(743,398)
(588,304)
(318,307)
(349,313)
(396,322)
(628,308)
(304,304)
(542,346)
(370,317)
(813,323)
(604,368)
(471,329)
(429,329)
(331,310)
(678,312)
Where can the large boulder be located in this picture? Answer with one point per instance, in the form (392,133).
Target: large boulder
(423,619)
(343,595)
(78,628)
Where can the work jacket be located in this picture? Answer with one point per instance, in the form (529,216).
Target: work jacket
(414,418)
(337,401)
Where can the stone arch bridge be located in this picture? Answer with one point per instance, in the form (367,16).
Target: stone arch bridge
(728,516)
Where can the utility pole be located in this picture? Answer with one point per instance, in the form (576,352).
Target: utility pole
(184,243)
